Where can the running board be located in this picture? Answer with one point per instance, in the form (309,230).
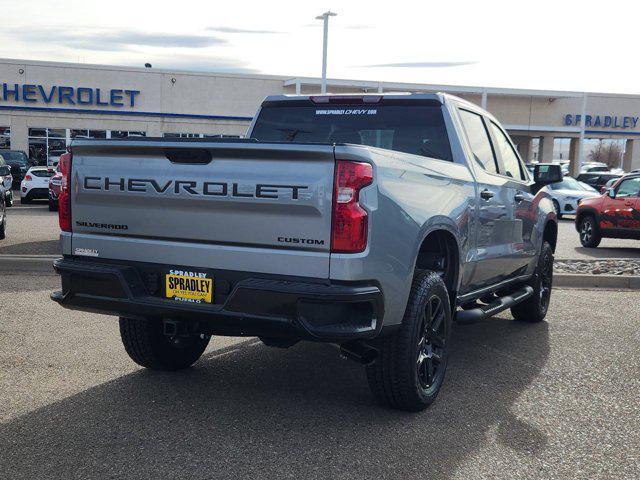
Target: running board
(495,307)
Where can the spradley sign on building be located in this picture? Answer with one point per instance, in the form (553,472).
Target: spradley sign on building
(65,96)
(603,121)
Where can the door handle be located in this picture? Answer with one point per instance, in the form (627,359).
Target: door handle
(486,194)
(518,197)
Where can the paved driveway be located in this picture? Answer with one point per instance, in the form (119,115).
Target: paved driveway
(553,400)
(569,246)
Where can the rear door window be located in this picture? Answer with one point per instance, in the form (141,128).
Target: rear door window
(479,141)
(510,161)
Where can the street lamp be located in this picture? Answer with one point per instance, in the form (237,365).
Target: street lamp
(325,18)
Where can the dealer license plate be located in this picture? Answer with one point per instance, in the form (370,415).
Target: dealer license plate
(185,286)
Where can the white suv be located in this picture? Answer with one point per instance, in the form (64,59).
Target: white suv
(35,184)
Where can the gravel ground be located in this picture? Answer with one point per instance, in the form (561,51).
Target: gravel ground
(598,267)
(557,399)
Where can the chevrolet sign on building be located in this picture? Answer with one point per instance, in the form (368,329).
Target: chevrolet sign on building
(45,105)
(34,94)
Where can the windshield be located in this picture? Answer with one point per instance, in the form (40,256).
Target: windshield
(418,129)
(14,157)
(571,184)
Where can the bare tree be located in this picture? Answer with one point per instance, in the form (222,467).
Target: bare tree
(609,153)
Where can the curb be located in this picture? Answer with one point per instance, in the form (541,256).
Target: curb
(596,281)
(27,263)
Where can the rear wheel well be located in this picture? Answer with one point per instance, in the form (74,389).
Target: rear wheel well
(439,253)
(551,234)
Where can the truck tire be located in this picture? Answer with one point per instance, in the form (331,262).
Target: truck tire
(534,308)
(589,233)
(146,344)
(410,368)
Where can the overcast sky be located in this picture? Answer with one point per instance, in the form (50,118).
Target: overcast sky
(559,44)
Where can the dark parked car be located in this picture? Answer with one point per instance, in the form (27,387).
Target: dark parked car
(3,212)
(614,215)
(19,163)
(597,179)
(6,180)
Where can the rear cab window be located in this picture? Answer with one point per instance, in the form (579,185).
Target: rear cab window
(415,127)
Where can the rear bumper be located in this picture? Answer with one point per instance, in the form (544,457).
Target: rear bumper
(244,304)
(35,193)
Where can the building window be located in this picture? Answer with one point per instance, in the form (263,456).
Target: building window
(82,133)
(5,137)
(47,143)
(126,134)
(182,135)
(197,135)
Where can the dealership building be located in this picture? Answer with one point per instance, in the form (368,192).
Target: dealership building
(45,105)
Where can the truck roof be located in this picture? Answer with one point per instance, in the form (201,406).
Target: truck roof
(326,98)
(439,97)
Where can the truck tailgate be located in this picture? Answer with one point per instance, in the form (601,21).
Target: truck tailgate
(254,207)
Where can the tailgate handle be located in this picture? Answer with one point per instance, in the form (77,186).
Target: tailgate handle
(198,156)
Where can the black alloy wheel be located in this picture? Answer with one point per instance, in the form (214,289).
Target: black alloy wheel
(431,346)
(545,279)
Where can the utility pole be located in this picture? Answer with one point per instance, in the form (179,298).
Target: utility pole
(325,18)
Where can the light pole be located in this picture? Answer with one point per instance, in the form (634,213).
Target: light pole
(325,18)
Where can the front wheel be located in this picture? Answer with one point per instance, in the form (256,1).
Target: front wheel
(411,365)
(3,228)
(10,200)
(148,346)
(534,309)
(589,234)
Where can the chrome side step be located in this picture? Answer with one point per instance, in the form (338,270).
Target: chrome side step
(495,307)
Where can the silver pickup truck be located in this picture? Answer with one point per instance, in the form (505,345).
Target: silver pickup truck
(369,221)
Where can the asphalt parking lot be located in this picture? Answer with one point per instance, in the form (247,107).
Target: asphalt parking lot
(31,229)
(552,400)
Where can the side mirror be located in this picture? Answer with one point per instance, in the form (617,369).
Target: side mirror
(611,192)
(547,173)
(5,170)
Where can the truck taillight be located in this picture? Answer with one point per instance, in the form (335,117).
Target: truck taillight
(64,197)
(349,219)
